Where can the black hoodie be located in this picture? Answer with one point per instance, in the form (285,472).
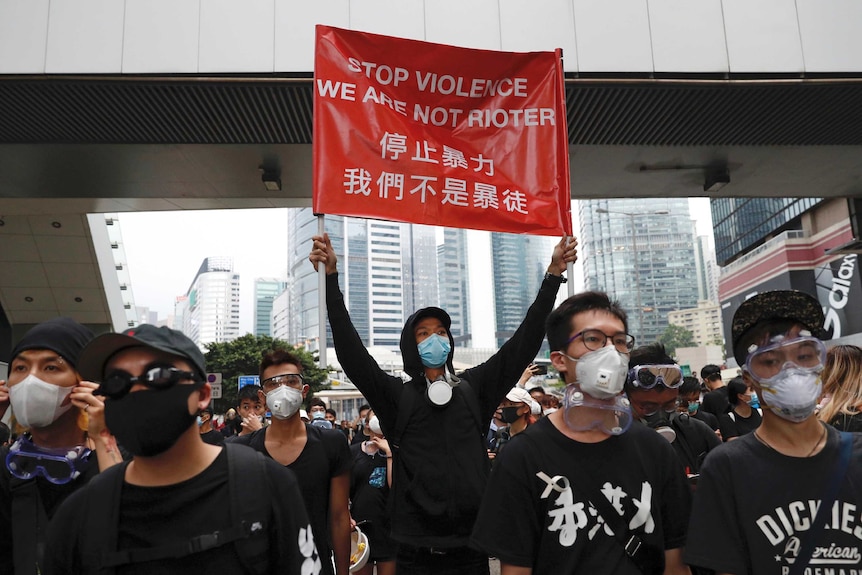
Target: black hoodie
(441,468)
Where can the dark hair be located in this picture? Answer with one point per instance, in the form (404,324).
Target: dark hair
(559,322)
(279,357)
(317,401)
(709,370)
(690,384)
(735,388)
(208,409)
(363,407)
(652,354)
(332,412)
(5,433)
(536,388)
(248,392)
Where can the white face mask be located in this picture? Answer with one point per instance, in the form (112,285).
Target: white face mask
(37,403)
(793,393)
(602,373)
(283,401)
(374,425)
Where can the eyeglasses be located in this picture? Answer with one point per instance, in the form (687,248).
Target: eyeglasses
(596,339)
(119,383)
(648,376)
(766,362)
(291,379)
(59,466)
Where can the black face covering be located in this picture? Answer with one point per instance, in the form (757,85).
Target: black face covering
(149,422)
(660,418)
(509,414)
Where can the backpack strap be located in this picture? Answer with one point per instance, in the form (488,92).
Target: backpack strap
(249,513)
(31,522)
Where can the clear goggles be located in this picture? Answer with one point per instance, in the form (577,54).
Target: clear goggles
(611,416)
(806,352)
(648,376)
(59,466)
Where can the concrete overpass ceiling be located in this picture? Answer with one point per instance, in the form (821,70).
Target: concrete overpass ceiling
(126,143)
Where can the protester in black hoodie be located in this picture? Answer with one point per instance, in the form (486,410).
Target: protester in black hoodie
(437,421)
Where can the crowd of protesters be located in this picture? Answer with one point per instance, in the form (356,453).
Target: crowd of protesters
(630,467)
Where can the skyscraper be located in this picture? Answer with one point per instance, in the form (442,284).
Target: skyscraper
(454,283)
(211,310)
(644,257)
(519,263)
(265,291)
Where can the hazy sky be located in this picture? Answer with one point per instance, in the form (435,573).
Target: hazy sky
(165,249)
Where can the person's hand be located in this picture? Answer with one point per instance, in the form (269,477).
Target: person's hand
(531,370)
(251,423)
(322,251)
(564,252)
(82,397)
(492,454)
(4,397)
(382,445)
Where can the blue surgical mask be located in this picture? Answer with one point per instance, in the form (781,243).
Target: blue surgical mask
(318,415)
(434,350)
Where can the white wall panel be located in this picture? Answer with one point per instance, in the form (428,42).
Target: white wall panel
(831,39)
(85,36)
(161,36)
(294,30)
(237,36)
(762,36)
(687,36)
(540,25)
(467,23)
(401,18)
(23,31)
(613,36)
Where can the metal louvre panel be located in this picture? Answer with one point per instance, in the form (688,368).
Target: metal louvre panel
(266,110)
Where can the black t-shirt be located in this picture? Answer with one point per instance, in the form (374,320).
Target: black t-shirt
(50,495)
(369,493)
(753,508)
(707,418)
(535,515)
(212,437)
(734,425)
(716,402)
(845,422)
(325,455)
(156,516)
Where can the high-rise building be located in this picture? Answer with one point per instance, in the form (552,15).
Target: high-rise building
(706,269)
(454,283)
(387,269)
(519,263)
(280,316)
(704,322)
(265,291)
(643,257)
(212,308)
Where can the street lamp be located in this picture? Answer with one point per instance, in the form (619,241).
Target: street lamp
(631,216)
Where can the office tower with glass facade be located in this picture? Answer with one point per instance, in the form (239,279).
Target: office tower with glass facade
(454,283)
(519,264)
(265,291)
(643,256)
(211,310)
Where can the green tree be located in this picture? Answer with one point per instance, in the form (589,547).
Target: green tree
(675,336)
(242,356)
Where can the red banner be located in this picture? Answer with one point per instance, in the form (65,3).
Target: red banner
(426,133)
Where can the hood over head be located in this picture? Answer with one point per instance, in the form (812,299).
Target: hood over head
(409,350)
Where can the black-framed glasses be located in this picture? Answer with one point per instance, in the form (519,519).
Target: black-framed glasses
(291,379)
(648,376)
(596,339)
(118,383)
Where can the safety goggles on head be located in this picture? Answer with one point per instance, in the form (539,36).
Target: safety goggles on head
(596,339)
(291,379)
(59,466)
(648,376)
(805,351)
(611,416)
(118,383)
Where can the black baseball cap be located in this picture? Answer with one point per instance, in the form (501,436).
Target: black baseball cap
(97,353)
(777,305)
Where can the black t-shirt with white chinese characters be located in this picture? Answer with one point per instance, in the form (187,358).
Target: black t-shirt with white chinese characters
(535,515)
(753,509)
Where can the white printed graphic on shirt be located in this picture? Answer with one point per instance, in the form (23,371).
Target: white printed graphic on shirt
(311,565)
(570,516)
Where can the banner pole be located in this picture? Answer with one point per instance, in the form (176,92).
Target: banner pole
(321,305)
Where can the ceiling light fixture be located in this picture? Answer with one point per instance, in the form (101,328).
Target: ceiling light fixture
(56,225)
(271,179)
(716,179)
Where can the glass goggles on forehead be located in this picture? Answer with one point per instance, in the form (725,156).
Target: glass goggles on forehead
(118,383)
(596,339)
(806,352)
(59,466)
(648,376)
(291,379)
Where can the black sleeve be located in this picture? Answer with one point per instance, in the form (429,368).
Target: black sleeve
(383,391)
(292,540)
(727,426)
(494,378)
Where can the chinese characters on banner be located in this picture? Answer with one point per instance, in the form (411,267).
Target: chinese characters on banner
(426,133)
